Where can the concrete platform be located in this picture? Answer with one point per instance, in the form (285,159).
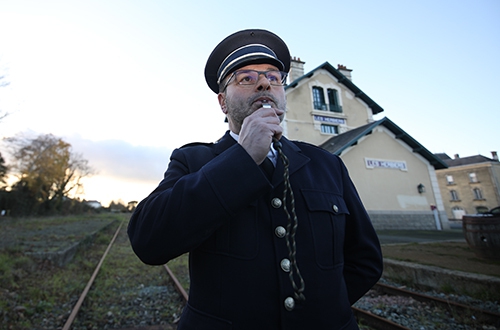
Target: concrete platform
(420,236)
(475,285)
(56,239)
(435,277)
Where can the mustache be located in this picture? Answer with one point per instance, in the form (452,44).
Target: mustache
(269,96)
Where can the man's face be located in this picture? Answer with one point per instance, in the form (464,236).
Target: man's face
(239,101)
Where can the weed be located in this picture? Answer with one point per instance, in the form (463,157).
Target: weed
(448,289)
(180,268)
(6,276)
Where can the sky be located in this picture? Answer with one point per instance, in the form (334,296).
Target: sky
(122,80)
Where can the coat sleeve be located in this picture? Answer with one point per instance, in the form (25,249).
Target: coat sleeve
(192,201)
(363,262)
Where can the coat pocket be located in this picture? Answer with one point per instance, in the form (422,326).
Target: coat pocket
(327,213)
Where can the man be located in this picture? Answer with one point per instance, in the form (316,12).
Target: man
(290,251)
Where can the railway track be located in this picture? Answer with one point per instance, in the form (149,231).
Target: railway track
(78,305)
(454,308)
(376,322)
(373,321)
(368,318)
(84,314)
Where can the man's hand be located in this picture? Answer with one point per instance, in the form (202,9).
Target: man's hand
(258,130)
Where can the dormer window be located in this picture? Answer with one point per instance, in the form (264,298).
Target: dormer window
(319,98)
(333,100)
(320,103)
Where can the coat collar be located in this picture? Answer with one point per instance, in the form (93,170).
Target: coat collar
(295,156)
(225,142)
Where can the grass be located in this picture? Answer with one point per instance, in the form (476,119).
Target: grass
(40,223)
(48,233)
(179,266)
(121,279)
(30,289)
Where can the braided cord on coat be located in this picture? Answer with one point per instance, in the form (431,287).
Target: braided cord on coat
(292,226)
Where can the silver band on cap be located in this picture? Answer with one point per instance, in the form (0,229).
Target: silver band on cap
(244,54)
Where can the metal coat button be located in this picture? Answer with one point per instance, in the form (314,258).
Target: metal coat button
(289,304)
(285,265)
(280,231)
(335,208)
(276,203)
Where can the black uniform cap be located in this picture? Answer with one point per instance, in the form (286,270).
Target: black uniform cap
(242,48)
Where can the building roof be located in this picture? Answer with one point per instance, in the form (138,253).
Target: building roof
(343,80)
(468,160)
(442,156)
(337,144)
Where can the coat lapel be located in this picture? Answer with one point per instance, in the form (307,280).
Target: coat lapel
(224,143)
(295,158)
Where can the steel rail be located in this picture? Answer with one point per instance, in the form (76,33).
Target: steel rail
(75,310)
(178,285)
(372,320)
(480,314)
(375,321)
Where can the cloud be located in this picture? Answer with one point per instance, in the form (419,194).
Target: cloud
(122,160)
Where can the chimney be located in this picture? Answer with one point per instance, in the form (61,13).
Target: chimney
(345,71)
(457,156)
(296,68)
(494,155)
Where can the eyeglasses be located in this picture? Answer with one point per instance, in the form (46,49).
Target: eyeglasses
(248,78)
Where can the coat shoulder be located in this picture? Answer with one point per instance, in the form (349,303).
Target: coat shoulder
(197,144)
(311,148)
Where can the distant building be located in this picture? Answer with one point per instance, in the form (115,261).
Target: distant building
(469,185)
(94,204)
(394,174)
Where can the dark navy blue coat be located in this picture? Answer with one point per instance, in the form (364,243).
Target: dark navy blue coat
(217,204)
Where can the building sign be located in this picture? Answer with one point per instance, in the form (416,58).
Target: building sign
(338,121)
(379,163)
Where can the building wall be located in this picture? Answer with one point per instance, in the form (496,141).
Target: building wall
(495,180)
(407,220)
(390,194)
(399,185)
(487,175)
(299,123)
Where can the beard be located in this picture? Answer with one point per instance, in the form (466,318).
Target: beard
(239,108)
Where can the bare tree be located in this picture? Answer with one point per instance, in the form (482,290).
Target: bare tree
(3,170)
